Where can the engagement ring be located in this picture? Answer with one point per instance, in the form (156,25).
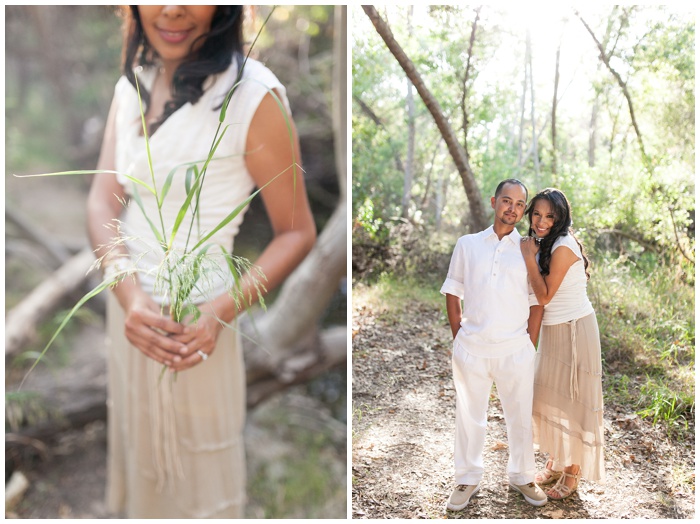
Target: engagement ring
(202,354)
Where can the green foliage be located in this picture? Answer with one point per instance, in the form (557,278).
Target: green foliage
(618,388)
(647,324)
(663,404)
(59,114)
(300,475)
(622,203)
(23,408)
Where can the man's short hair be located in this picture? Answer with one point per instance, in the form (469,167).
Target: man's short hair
(500,186)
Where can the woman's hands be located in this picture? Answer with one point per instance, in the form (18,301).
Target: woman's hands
(176,345)
(152,332)
(197,336)
(529,247)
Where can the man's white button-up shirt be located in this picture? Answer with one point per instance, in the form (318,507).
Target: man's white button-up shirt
(490,276)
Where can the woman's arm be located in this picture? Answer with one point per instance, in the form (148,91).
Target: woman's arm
(546,287)
(104,207)
(269,153)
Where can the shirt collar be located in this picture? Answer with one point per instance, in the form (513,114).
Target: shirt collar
(514,236)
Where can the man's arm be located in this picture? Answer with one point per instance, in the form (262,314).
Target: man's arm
(454,312)
(534,322)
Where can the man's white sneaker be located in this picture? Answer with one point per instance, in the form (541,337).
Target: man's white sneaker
(461,496)
(532,493)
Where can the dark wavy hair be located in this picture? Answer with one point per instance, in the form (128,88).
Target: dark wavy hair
(221,43)
(562,226)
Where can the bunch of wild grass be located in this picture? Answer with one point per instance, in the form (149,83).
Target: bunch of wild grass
(182,272)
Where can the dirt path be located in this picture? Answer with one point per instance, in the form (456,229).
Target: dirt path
(403,437)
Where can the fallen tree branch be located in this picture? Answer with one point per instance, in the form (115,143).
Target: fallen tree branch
(56,250)
(22,320)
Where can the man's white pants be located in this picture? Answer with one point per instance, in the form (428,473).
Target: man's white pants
(473,378)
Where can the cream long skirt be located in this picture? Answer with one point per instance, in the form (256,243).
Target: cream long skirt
(568,397)
(175,448)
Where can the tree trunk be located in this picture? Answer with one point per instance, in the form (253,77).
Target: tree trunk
(535,148)
(465,79)
(521,132)
(623,85)
(411,121)
(290,327)
(477,208)
(554,116)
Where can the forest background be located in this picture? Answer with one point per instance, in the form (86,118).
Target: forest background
(62,63)
(598,102)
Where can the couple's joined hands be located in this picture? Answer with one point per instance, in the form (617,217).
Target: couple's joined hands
(170,343)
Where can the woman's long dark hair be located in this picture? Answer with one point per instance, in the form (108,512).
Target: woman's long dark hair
(221,43)
(561,209)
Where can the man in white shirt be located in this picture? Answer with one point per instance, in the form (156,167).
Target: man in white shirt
(491,344)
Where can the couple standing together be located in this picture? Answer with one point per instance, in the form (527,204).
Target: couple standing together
(551,396)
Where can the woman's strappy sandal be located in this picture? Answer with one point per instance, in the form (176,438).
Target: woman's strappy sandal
(547,476)
(560,490)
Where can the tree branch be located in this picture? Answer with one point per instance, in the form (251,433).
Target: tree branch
(477,208)
(623,85)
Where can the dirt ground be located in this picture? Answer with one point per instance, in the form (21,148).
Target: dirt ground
(403,437)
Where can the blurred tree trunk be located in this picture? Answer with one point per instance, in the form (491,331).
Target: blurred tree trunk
(593,126)
(554,115)
(41,19)
(410,150)
(534,146)
(466,78)
(477,209)
(289,342)
(521,130)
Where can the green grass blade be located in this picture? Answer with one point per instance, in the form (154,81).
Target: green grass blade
(199,178)
(94,292)
(236,211)
(188,178)
(227,99)
(79,172)
(145,135)
(135,180)
(139,202)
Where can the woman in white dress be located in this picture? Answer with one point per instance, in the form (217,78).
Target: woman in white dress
(175,448)
(568,396)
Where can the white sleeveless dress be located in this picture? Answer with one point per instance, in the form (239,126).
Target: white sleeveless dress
(175,449)
(567,407)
